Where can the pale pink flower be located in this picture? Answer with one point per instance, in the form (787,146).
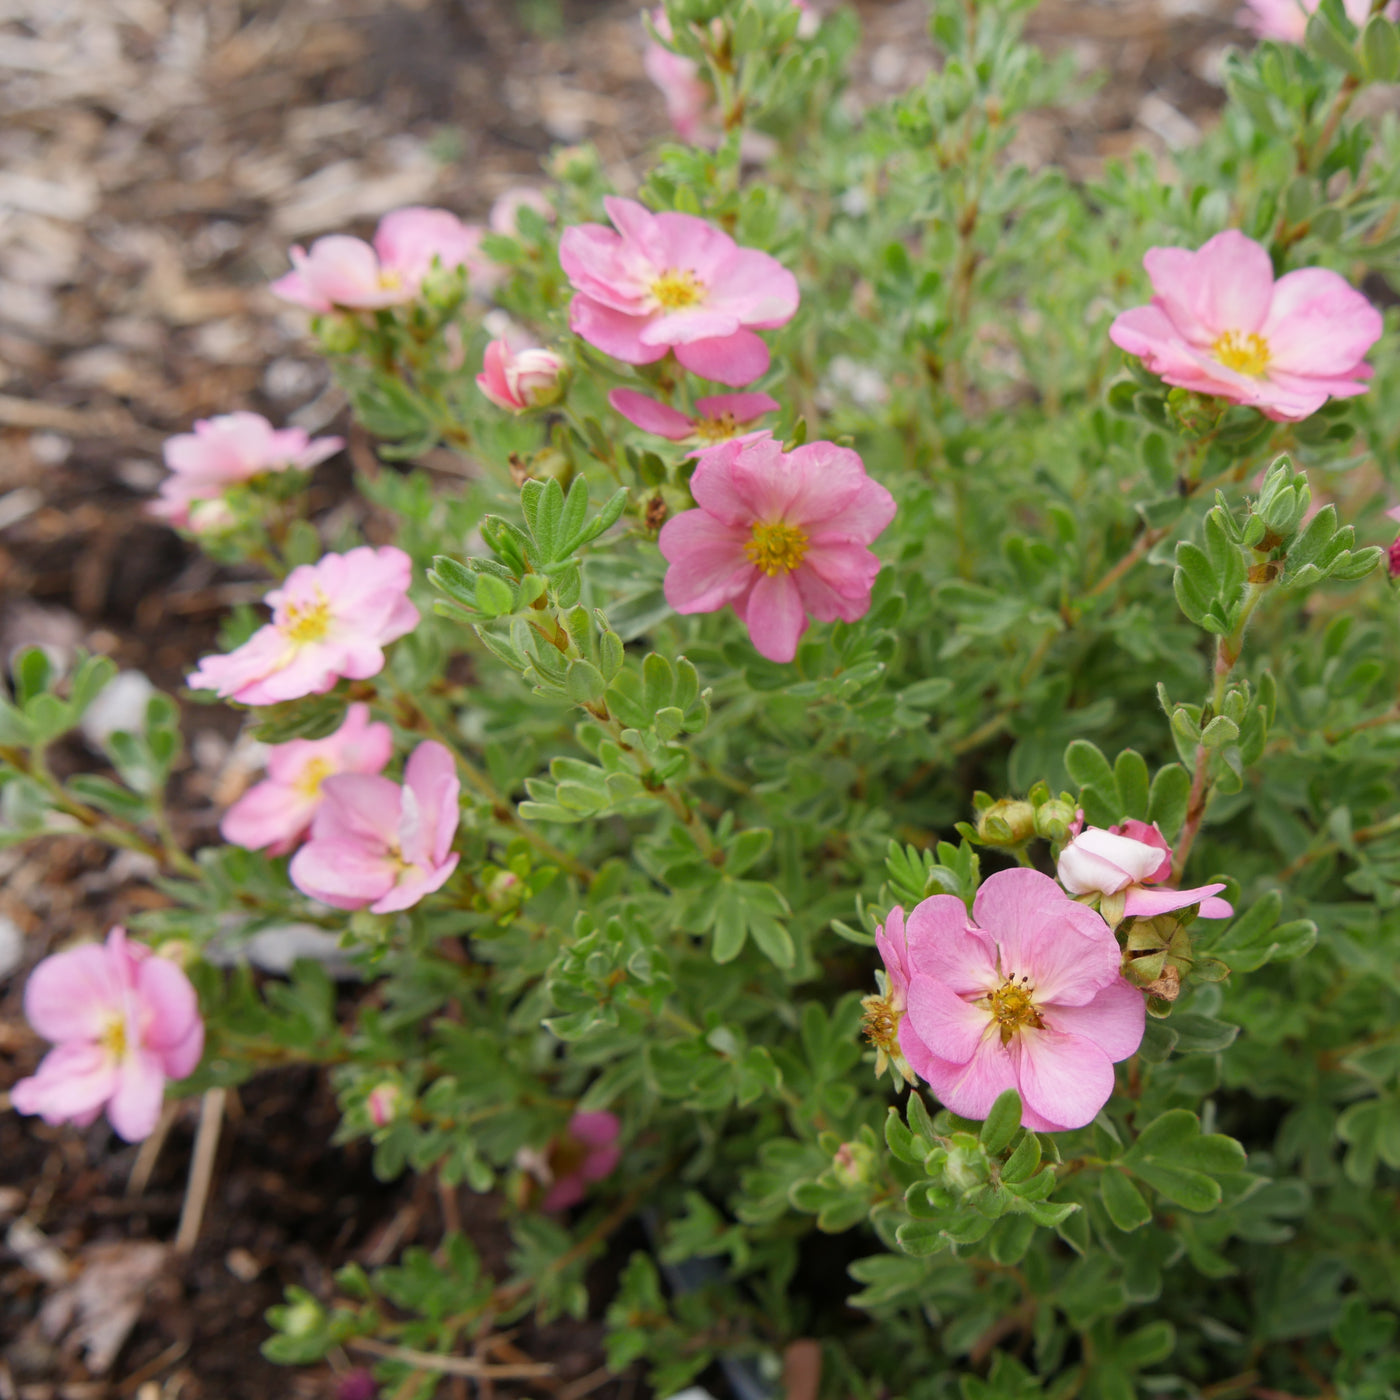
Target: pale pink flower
(518,380)
(503,218)
(1025,995)
(1124,860)
(123,1021)
(223,451)
(716,419)
(276,813)
(350,274)
(1219,324)
(587,1153)
(1287,20)
(777,535)
(674,282)
(331,619)
(690,100)
(378,844)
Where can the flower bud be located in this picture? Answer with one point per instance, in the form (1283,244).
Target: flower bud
(574,164)
(211,518)
(338,334)
(853,1164)
(383,1104)
(518,381)
(358,1384)
(1010,822)
(1054,819)
(444,287)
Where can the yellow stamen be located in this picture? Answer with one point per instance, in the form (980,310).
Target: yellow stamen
(1244,352)
(777,548)
(307,622)
(678,287)
(309,780)
(719,429)
(1011,1007)
(113,1038)
(390,279)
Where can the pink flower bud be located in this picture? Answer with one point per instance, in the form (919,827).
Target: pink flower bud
(383,1104)
(518,380)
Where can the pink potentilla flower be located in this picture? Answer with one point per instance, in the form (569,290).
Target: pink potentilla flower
(503,216)
(1219,324)
(690,101)
(1125,859)
(518,380)
(674,282)
(349,273)
(883,1013)
(378,844)
(1287,20)
(777,535)
(1025,995)
(716,419)
(330,619)
(587,1152)
(228,449)
(123,1022)
(276,813)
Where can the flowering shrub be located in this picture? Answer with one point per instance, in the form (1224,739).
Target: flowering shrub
(1002,628)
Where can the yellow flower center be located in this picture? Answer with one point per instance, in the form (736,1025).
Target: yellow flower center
(719,429)
(309,780)
(1012,1007)
(390,279)
(1246,353)
(113,1038)
(777,548)
(307,622)
(880,1023)
(678,287)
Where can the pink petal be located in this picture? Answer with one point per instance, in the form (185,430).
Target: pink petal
(1065,1078)
(945,947)
(1215,909)
(601,1162)
(860,521)
(430,776)
(825,603)
(567,1191)
(613,332)
(1148,903)
(182,1058)
(775,618)
(593,261)
(135,1106)
(756,288)
(714,487)
(1318,324)
(1099,861)
(359,807)
(950,1027)
(75,995)
(413,885)
(343,874)
(708,565)
(1114,1020)
(1233,283)
(848,571)
(686,327)
(651,416)
(272,815)
(742,408)
(1172,272)
(72,1083)
(736,359)
(168,1002)
(893,946)
(969,1089)
(597,1129)
(1149,836)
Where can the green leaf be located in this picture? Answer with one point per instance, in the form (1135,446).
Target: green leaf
(1089,768)
(1174,1158)
(1380,49)
(1169,798)
(1002,1121)
(1122,1200)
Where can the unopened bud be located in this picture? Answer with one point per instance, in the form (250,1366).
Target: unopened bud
(211,518)
(521,380)
(383,1104)
(1054,819)
(853,1163)
(338,334)
(1010,822)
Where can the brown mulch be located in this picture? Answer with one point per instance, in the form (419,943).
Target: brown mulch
(156,159)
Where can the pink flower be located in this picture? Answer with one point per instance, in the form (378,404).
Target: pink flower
(329,619)
(674,282)
(228,449)
(348,273)
(519,380)
(1025,995)
(1219,324)
(383,1104)
(503,216)
(587,1152)
(690,101)
(1287,20)
(123,1022)
(777,535)
(716,419)
(883,1013)
(276,813)
(1125,859)
(378,844)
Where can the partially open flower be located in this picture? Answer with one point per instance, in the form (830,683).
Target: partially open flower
(123,1022)
(276,813)
(329,619)
(884,1012)
(777,535)
(1026,995)
(667,282)
(518,380)
(1124,860)
(1219,324)
(376,844)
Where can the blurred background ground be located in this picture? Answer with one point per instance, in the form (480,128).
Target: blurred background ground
(156,159)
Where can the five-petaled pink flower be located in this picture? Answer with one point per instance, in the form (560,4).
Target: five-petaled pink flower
(716,419)
(378,844)
(667,282)
(276,813)
(1219,324)
(350,274)
(228,449)
(123,1022)
(777,535)
(586,1153)
(518,380)
(1287,20)
(1126,859)
(330,619)
(1025,995)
